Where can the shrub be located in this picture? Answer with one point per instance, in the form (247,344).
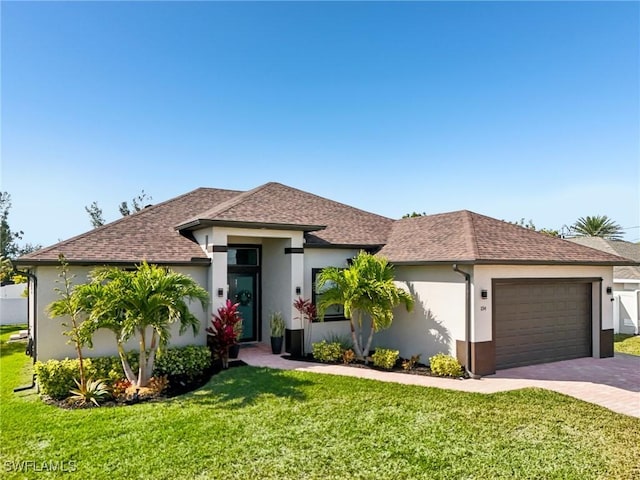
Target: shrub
(348,356)
(445,366)
(327,352)
(410,364)
(385,358)
(56,377)
(158,384)
(188,363)
(119,387)
(94,391)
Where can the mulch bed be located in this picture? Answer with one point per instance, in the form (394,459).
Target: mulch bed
(418,369)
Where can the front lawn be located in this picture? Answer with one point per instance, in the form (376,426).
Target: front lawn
(626,343)
(268,424)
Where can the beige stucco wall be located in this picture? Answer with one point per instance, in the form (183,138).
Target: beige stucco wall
(438,317)
(51,343)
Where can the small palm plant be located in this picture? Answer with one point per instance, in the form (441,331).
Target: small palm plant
(93,391)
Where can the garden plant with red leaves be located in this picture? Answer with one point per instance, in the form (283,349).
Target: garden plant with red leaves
(223,332)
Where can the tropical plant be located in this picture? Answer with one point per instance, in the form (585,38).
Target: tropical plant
(223,332)
(276,322)
(365,288)
(385,358)
(308,314)
(94,391)
(69,305)
(597,226)
(410,364)
(143,303)
(445,366)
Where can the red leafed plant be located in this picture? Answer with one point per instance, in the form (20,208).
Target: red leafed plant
(308,313)
(223,332)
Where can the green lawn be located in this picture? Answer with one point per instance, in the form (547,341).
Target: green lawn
(626,343)
(268,424)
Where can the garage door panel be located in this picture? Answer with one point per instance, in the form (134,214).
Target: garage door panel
(537,323)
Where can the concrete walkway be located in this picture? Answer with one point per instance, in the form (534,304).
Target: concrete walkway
(613,383)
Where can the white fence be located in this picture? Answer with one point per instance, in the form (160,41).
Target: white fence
(13,306)
(626,312)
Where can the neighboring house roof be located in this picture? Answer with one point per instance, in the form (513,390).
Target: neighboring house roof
(280,206)
(161,233)
(468,237)
(616,247)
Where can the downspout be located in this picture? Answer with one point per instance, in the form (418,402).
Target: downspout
(32,334)
(467,320)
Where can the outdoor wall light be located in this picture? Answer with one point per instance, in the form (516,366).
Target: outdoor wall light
(298,290)
(484,294)
(609,291)
(221,292)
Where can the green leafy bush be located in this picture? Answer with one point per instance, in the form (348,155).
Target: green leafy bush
(385,358)
(186,362)
(56,377)
(445,366)
(327,352)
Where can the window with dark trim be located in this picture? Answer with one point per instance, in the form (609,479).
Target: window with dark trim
(332,314)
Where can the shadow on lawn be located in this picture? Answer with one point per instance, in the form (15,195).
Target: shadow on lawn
(243,386)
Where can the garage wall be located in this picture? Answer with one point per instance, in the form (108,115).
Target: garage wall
(482,313)
(438,317)
(51,343)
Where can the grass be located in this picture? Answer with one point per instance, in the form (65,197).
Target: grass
(626,343)
(269,424)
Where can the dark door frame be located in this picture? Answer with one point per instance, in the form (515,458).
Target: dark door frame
(256,270)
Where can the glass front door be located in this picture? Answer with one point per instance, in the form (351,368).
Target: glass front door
(243,290)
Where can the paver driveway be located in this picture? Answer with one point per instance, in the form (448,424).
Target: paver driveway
(613,383)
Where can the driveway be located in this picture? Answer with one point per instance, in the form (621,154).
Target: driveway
(613,383)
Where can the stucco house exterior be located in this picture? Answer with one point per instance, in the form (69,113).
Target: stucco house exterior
(626,282)
(486,290)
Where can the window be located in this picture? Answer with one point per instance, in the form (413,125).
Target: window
(333,313)
(244,256)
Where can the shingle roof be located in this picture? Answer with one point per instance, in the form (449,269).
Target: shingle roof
(468,237)
(152,233)
(616,247)
(332,223)
(146,235)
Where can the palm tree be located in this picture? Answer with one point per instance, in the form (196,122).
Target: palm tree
(365,288)
(597,226)
(142,303)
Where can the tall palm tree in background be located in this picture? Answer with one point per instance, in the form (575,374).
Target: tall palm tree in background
(597,226)
(365,288)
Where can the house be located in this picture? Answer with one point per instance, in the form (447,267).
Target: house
(626,282)
(520,297)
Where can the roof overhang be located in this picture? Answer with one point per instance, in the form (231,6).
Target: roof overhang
(504,262)
(203,223)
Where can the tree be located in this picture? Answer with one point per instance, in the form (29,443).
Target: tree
(68,305)
(95,215)
(414,214)
(597,226)
(365,288)
(137,204)
(8,239)
(143,303)
(529,225)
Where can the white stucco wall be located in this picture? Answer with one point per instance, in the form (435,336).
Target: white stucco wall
(438,317)
(277,284)
(50,341)
(13,306)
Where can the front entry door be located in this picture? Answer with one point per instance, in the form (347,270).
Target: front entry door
(243,290)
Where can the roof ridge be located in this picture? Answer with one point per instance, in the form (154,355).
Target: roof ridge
(229,204)
(57,245)
(473,239)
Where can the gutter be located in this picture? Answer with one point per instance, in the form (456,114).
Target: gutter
(31,346)
(467,320)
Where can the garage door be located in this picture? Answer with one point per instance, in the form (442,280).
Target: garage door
(541,322)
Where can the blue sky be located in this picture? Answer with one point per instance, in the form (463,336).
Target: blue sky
(509,109)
